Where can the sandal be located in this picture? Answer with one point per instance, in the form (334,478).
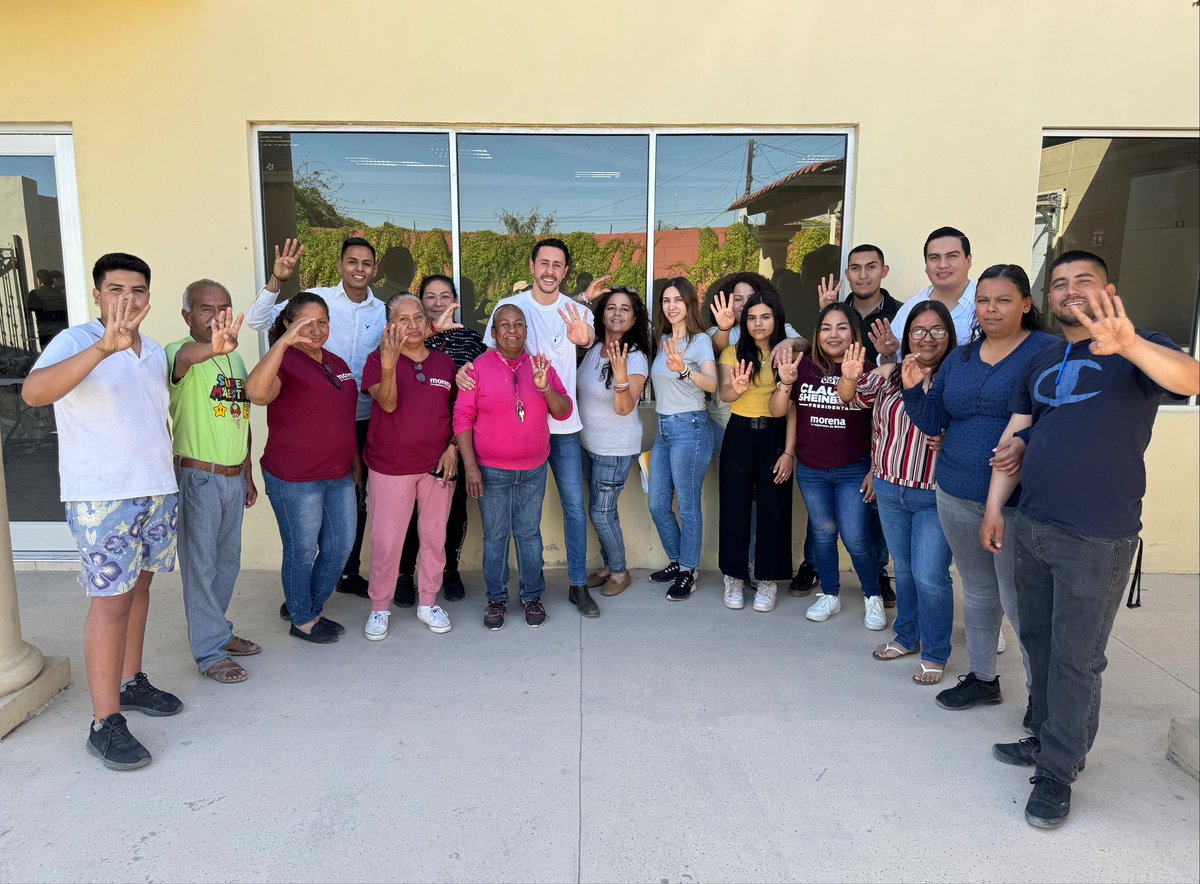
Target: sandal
(928,674)
(227,671)
(240,647)
(892,651)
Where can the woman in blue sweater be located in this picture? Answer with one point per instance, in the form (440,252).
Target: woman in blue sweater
(969,402)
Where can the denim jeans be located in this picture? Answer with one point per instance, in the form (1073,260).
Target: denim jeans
(316,523)
(566,462)
(211,507)
(718,437)
(835,506)
(988,588)
(605,475)
(678,463)
(1069,588)
(924,593)
(511,506)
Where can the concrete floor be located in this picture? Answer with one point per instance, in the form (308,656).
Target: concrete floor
(660,743)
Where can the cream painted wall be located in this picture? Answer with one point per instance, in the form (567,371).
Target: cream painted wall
(949,100)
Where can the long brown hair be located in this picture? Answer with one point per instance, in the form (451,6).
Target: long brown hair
(823,363)
(662,325)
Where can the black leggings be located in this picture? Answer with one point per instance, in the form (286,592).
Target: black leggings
(748,457)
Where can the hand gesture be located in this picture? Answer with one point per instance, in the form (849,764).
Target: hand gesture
(474,480)
(121,324)
(389,347)
(447,465)
(465,380)
(595,289)
(618,358)
(912,373)
(827,291)
(287,259)
(881,336)
(1008,455)
(867,489)
(225,332)
(722,311)
(740,380)
(935,442)
(1111,330)
(445,320)
(789,370)
(783,468)
(579,332)
(785,350)
(541,372)
(852,362)
(675,361)
(251,490)
(991,531)
(292,334)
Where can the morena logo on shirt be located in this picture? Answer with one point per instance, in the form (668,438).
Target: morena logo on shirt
(442,383)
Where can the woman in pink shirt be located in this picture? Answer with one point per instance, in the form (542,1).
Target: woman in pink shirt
(502,430)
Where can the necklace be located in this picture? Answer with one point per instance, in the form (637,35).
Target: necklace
(516,387)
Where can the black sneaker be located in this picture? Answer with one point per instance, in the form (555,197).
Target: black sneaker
(284,613)
(493,617)
(1049,803)
(1023,752)
(666,575)
(331,625)
(406,592)
(139,694)
(582,599)
(452,586)
(535,613)
(1027,721)
(115,746)
(682,586)
(804,581)
(354,584)
(886,590)
(970,691)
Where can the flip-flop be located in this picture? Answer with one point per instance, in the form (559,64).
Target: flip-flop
(227,672)
(927,671)
(240,647)
(892,651)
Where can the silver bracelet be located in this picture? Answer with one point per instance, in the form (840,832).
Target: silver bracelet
(620,387)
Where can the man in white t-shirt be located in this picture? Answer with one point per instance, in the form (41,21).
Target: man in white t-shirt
(108,385)
(556,326)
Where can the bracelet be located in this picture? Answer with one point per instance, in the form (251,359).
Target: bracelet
(620,387)
(686,373)
(540,390)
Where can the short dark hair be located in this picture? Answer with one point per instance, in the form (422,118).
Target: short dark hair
(942,233)
(866,247)
(1079,255)
(352,241)
(436,277)
(118,261)
(553,243)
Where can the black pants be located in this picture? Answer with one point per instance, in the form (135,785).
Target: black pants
(456,530)
(353,563)
(748,457)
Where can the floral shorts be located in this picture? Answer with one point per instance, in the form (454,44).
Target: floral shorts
(118,539)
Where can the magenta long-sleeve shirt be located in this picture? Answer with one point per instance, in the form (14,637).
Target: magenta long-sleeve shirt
(502,439)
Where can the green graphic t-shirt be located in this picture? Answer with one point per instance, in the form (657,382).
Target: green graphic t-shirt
(209,409)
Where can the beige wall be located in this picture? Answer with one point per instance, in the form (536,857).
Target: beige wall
(949,100)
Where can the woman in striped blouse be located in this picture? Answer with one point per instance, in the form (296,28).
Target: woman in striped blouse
(902,475)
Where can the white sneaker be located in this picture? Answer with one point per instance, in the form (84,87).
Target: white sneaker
(823,608)
(377,626)
(875,618)
(1001,645)
(734,587)
(764,599)
(434,617)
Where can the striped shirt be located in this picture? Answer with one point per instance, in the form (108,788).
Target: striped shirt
(900,453)
(462,345)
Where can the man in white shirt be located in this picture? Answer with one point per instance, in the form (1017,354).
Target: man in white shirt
(356,321)
(108,385)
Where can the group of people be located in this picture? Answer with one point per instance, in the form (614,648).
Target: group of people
(948,428)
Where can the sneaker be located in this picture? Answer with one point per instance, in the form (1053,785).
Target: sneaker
(823,608)
(493,617)
(1022,752)
(875,618)
(666,575)
(1049,803)
(970,691)
(1001,644)
(804,581)
(406,591)
(452,586)
(284,613)
(734,589)
(354,584)
(376,629)
(1027,721)
(886,590)
(764,599)
(115,746)
(139,694)
(434,617)
(682,586)
(535,613)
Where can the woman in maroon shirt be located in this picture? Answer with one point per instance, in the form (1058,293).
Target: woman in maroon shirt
(310,465)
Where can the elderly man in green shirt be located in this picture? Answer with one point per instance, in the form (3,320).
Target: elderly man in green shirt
(210,413)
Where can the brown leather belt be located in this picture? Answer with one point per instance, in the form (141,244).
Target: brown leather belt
(208,467)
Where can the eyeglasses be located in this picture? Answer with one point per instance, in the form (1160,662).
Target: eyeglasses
(920,334)
(420,369)
(333,379)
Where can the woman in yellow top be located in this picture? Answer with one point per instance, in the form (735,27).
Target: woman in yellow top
(757,459)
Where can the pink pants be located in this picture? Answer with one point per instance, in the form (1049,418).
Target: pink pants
(390,502)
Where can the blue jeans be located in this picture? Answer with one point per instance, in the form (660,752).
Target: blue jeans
(511,506)
(566,462)
(316,523)
(835,506)
(211,507)
(678,463)
(924,593)
(605,475)
(718,437)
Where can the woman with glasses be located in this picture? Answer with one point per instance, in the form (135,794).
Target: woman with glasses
(310,464)
(903,460)
(412,461)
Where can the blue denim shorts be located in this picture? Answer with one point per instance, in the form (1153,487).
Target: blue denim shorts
(119,539)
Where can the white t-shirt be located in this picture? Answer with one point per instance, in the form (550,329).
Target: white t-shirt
(605,431)
(963,313)
(546,333)
(113,442)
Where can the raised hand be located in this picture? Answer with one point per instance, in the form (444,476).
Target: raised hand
(541,371)
(1111,330)
(722,311)
(579,331)
(912,373)
(852,362)
(789,369)
(675,361)
(445,320)
(740,379)
(121,324)
(225,332)
(287,259)
(618,357)
(465,380)
(390,343)
(595,289)
(289,337)
(881,336)
(827,291)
